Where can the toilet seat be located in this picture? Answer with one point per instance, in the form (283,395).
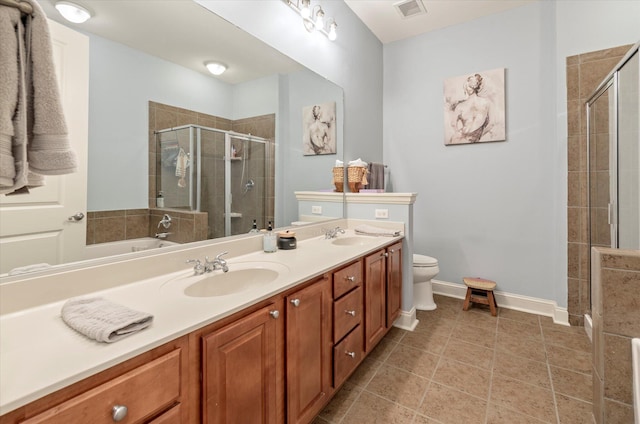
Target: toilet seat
(423,261)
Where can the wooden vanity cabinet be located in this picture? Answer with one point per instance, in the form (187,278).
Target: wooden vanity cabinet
(241,363)
(309,349)
(382,292)
(151,386)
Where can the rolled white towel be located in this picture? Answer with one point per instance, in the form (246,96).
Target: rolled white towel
(358,162)
(29,268)
(102,320)
(369,230)
(339,163)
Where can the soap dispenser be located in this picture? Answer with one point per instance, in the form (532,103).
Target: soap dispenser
(254,228)
(269,241)
(160,200)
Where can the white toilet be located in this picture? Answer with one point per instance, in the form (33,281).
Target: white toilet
(424,269)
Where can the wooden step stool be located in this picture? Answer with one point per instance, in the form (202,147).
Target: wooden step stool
(480,290)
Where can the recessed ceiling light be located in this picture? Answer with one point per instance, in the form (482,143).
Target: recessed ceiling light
(73,12)
(216,68)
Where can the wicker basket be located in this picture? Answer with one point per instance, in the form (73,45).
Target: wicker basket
(357,178)
(338,178)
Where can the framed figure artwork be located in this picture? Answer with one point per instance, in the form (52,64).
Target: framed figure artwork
(474,108)
(319,129)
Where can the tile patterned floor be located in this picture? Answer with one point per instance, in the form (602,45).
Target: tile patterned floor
(469,367)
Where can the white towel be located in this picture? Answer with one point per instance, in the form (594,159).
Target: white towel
(358,162)
(29,268)
(102,320)
(369,230)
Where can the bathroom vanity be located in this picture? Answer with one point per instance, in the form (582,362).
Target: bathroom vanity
(276,357)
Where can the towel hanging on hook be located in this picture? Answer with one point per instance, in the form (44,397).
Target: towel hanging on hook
(182,163)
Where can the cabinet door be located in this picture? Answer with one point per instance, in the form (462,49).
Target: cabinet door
(394,282)
(239,371)
(309,349)
(375,276)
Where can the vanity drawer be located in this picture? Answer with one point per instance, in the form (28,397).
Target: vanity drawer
(347,313)
(144,391)
(346,279)
(347,355)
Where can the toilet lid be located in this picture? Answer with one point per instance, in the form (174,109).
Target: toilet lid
(424,261)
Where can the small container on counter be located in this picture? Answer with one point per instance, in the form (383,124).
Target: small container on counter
(269,240)
(287,240)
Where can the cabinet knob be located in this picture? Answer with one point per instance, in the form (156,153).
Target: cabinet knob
(385,254)
(119,412)
(352,313)
(295,302)
(274,314)
(392,251)
(352,354)
(350,278)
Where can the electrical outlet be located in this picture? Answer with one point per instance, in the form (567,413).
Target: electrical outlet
(317,210)
(382,213)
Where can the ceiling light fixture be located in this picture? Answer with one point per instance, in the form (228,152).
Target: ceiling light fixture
(313,18)
(73,12)
(216,68)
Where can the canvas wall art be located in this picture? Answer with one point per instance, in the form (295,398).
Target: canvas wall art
(474,108)
(319,129)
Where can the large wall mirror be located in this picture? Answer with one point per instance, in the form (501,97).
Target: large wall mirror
(147,73)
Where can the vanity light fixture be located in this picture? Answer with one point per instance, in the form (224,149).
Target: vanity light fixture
(73,12)
(216,68)
(313,18)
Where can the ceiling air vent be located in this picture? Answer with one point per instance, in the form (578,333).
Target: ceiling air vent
(409,8)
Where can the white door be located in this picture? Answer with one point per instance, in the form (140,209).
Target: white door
(34,227)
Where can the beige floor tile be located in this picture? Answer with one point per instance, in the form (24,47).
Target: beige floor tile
(519,316)
(396,334)
(500,415)
(452,406)
(341,402)
(521,368)
(572,383)
(383,349)
(478,319)
(445,311)
(413,360)
(567,338)
(469,353)
(420,419)
(525,398)
(520,329)
(398,386)
(427,342)
(437,327)
(365,372)
(463,377)
(574,360)
(515,345)
(320,420)
(476,335)
(573,411)
(372,409)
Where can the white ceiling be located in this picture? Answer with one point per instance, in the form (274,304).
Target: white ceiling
(388,25)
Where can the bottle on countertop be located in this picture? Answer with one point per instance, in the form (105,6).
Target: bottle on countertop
(254,228)
(269,240)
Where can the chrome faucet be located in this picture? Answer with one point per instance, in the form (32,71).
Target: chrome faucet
(165,221)
(198,269)
(217,263)
(332,232)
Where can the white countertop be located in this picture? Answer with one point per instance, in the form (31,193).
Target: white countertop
(39,354)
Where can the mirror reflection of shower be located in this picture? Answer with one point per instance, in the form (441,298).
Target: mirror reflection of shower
(224,174)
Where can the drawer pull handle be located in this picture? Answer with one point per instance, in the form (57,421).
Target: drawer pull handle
(119,412)
(274,314)
(352,313)
(295,302)
(352,354)
(350,278)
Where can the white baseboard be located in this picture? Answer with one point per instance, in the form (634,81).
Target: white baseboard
(532,305)
(407,320)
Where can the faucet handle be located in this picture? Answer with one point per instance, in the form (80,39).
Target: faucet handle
(219,256)
(198,268)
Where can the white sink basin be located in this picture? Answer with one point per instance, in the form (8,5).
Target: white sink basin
(352,241)
(241,277)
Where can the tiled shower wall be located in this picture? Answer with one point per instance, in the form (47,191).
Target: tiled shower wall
(616,320)
(584,73)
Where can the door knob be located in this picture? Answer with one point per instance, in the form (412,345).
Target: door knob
(77,217)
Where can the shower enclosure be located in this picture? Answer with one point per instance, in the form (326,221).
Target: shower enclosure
(613,140)
(226,174)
